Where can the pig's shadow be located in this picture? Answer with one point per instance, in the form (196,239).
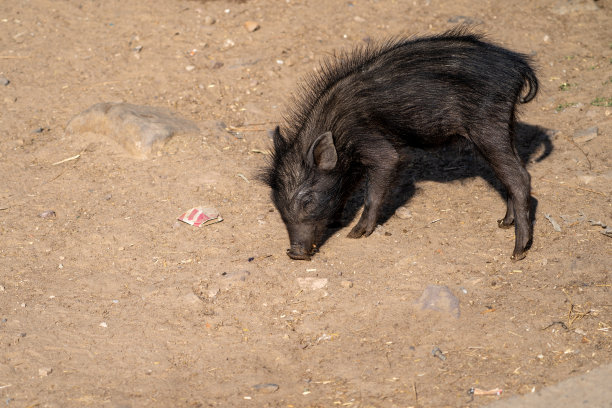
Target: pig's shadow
(457,161)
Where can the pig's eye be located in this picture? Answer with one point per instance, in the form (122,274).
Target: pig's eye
(308,202)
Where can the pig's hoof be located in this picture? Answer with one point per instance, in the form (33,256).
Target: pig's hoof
(355,235)
(504,224)
(519,256)
(357,232)
(298,256)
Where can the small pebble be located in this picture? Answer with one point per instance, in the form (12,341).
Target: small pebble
(103,324)
(439,298)
(403,213)
(44,371)
(268,388)
(312,283)
(346,284)
(4,81)
(47,214)
(236,276)
(251,26)
(583,136)
(190,68)
(209,20)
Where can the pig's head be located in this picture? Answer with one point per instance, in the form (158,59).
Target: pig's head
(306,188)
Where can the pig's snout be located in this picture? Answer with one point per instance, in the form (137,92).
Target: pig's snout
(302,238)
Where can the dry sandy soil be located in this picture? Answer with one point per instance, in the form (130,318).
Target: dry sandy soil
(113,302)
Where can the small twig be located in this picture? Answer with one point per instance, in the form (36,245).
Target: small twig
(243,177)
(494,391)
(244,128)
(68,159)
(573,316)
(260,151)
(580,148)
(560,323)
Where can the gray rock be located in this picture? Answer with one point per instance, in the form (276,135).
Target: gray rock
(563,7)
(440,299)
(48,214)
(265,388)
(552,221)
(583,136)
(403,213)
(139,129)
(311,283)
(4,81)
(465,20)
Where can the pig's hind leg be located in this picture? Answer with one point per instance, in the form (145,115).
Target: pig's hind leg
(381,161)
(498,149)
(508,219)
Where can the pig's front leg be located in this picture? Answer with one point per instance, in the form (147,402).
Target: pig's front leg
(381,167)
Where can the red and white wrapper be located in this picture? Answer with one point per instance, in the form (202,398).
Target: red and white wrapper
(199,216)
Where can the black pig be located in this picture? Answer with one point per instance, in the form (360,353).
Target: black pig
(352,119)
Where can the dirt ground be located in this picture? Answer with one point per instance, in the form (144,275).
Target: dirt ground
(113,302)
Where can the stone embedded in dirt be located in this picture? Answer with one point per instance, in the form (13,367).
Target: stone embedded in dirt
(440,299)
(465,20)
(552,221)
(268,388)
(236,275)
(403,213)
(209,20)
(48,214)
(44,371)
(312,283)
(346,283)
(139,129)
(4,81)
(597,223)
(583,136)
(563,7)
(251,26)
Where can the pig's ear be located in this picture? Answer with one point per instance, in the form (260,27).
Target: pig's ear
(322,152)
(279,142)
